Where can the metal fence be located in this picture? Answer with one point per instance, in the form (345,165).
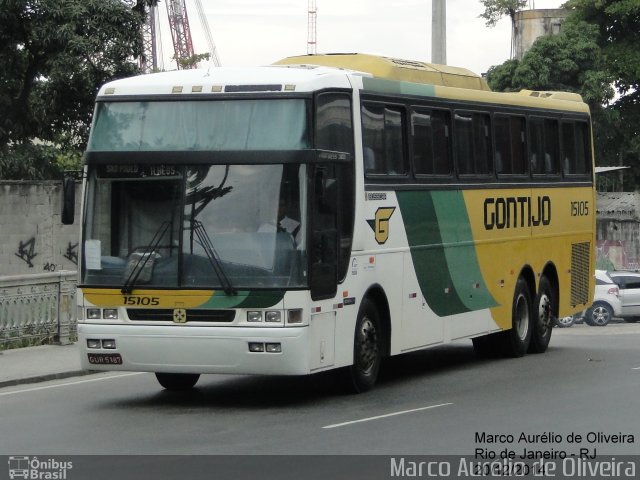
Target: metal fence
(38,309)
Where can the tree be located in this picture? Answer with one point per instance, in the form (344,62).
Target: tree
(494,10)
(192,61)
(593,54)
(570,61)
(618,24)
(55,54)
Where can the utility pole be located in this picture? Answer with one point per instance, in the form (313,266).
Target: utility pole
(312,41)
(439,32)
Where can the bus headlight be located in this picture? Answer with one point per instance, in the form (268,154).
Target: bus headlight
(254,316)
(255,347)
(273,316)
(93,313)
(110,314)
(273,348)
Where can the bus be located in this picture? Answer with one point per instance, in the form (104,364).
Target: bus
(326,212)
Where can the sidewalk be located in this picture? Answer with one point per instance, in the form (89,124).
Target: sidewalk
(38,364)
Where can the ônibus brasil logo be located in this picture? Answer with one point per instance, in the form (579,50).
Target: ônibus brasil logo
(38,469)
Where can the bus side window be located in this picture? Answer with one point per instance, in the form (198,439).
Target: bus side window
(568,148)
(464,143)
(575,148)
(510,147)
(583,148)
(473,143)
(551,145)
(503,145)
(382,134)
(519,145)
(431,142)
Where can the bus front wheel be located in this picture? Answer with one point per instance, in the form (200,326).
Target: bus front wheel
(177,382)
(367,349)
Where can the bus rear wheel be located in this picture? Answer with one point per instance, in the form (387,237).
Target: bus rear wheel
(515,342)
(367,349)
(177,382)
(544,317)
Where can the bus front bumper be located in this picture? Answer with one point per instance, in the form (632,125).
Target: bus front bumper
(170,349)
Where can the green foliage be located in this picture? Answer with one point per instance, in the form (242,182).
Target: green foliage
(570,61)
(29,161)
(55,54)
(596,51)
(618,22)
(494,10)
(618,25)
(192,61)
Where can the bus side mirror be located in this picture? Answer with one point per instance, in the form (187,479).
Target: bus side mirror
(68,200)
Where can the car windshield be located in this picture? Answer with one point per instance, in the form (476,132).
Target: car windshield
(221,226)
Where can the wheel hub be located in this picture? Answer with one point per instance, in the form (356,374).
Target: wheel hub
(367,346)
(544,314)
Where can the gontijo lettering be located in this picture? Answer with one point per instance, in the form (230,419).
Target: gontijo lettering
(516,212)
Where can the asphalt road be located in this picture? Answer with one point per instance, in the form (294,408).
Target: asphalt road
(442,401)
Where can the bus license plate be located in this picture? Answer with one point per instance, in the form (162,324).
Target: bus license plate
(105,358)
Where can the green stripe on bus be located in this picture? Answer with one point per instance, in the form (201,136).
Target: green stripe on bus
(398,88)
(455,230)
(427,253)
(442,252)
(245,299)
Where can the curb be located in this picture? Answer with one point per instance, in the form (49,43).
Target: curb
(45,378)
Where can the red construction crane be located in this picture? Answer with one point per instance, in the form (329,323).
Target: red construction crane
(180,36)
(180,31)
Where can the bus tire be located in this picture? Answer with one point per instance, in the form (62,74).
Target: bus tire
(367,349)
(543,317)
(516,340)
(177,382)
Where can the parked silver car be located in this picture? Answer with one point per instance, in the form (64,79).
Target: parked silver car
(629,285)
(617,295)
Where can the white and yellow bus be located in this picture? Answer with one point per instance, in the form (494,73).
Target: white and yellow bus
(327,212)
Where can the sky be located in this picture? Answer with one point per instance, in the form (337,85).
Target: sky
(260,32)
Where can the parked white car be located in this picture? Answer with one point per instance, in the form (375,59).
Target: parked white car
(629,294)
(607,299)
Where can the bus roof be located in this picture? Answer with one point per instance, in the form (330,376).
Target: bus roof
(309,73)
(226,80)
(412,77)
(395,69)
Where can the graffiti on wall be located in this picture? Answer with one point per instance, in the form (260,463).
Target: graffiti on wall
(72,253)
(26,251)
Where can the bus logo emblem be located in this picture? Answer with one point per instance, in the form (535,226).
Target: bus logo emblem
(179,315)
(380,225)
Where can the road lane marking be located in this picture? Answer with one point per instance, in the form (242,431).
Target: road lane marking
(635,368)
(387,415)
(66,384)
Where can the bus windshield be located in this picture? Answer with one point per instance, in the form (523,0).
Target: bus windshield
(200,226)
(200,125)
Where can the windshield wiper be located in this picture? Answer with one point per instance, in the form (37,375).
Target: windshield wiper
(127,288)
(214,258)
